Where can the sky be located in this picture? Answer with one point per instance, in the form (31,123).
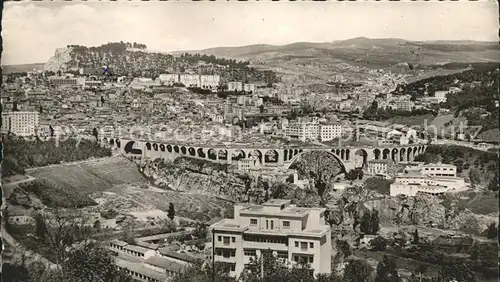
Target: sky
(33,30)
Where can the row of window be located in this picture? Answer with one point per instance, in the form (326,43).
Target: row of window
(266,239)
(304,245)
(437,168)
(303,259)
(270,223)
(225,253)
(226,239)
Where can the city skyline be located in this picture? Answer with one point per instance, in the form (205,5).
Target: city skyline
(54,25)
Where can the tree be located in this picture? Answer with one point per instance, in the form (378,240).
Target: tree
(379,243)
(456,270)
(491,232)
(92,262)
(386,271)
(416,238)
(369,223)
(474,176)
(171,211)
(356,271)
(204,273)
(95,133)
(344,249)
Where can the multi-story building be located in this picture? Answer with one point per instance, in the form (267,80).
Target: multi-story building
(196,80)
(190,80)
(63,81)
(430,178)
(169,79)
(209,81)
(293,234)
(20,123)
(329,132)
(440,96)
(303,129)
(249,163)
(249,88)
(235,86)
(380,167)
(403,105)
(439,169)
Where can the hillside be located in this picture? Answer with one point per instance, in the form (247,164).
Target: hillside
(123,60)
(374,52)
(90,176)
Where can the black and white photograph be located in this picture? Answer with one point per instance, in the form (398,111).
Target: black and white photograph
(259,141)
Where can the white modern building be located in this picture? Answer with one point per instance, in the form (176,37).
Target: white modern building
(329,132)
(20,123)
(235,86)
(380,167)
(440,96)
(439,169)
(430,178)
(303,129)
(293,234)
(169,78)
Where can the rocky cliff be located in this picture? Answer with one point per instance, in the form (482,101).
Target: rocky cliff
(204,177)
(62,60)
(445,212)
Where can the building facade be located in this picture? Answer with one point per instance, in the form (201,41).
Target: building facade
(439,169)
(303,129)
(235,86)
(293,234)
(329,132)
(381,167)
(20,123)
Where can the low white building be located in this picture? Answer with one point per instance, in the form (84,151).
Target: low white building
(380,167)
(411,183)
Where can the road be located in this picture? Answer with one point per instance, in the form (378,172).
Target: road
(464,144)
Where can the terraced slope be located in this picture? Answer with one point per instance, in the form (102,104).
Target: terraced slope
(90,176)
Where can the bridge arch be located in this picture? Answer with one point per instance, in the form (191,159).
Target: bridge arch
(256,153)
(415,152)
(155,147)
(386,154)
(105,140)
(183,150)
(237,155)
(347,153)
(409,155)
(162,147)
(402,154)
(376,153)
(361,158)
(192,151)
(394,155)
(111,141)
(148,146)
(200,152)
(118,143)
(341,163)
(212,154)
(169,148)
(271,156)
(222,154)
(176,149)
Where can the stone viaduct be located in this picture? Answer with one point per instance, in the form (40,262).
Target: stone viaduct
(349,157)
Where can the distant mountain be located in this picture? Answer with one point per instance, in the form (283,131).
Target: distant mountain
(21,68)
(377,52)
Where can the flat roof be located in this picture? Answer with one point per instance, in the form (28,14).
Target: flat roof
(276,202)
(169,253)
(119,242)
(165,263)
(139,268)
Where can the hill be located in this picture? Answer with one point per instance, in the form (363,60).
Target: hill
(124,60)
(90,176)
(21,68)
(376,52)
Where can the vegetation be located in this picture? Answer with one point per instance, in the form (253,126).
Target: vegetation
(375,113)
(369,223)
(379,243)
(356,271)
(377,184)
(211,59)
(54,197)
(171,211)
(484,164)
(386,271)
(21,154)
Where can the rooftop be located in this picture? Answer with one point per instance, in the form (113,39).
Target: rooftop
(165,263)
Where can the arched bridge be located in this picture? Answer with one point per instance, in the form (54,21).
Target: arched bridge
(349,157)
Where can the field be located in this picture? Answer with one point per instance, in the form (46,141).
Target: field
(145,200)
(413,120)
(90,176)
